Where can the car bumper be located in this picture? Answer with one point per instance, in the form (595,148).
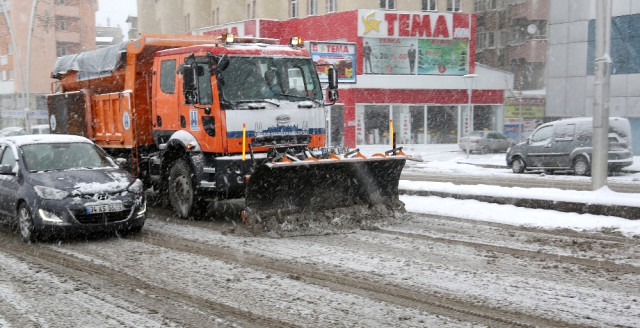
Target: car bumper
(70,216)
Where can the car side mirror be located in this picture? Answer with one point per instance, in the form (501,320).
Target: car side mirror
(6,169)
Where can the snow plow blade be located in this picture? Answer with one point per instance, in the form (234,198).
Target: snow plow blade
(323,196)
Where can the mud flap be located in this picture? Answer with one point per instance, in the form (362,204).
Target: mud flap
(315,196)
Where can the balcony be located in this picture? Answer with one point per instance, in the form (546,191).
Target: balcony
(67,11)
(532,51)
(531,10)
(67,37)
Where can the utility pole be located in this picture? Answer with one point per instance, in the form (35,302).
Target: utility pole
(27,119)
(16,51)
(599,160)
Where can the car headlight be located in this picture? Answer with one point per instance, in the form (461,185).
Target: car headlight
(50,193)
(143,208)
(136,187)
(50,217)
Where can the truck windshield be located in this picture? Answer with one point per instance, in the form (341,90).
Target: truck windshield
(261,78)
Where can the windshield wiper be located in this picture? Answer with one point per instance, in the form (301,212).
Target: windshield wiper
(301,97)
(255,101)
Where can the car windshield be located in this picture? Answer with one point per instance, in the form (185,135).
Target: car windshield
(476,134)
(258,78)
(63,156)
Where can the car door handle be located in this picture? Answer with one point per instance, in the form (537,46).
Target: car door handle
(547,146)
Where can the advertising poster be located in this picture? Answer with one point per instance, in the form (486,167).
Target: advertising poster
(442,57)
(389,55)
(341,55)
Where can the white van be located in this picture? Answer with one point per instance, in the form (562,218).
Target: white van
(40,129)
(567,145)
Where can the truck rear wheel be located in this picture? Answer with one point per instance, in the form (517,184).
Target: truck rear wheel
(181,189)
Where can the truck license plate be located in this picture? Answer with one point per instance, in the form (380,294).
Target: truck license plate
(104,208)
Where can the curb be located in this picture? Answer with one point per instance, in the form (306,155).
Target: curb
(626,212)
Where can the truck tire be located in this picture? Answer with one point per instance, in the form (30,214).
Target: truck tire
(181,190)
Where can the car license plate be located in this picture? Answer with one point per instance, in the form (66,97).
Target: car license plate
(104,208)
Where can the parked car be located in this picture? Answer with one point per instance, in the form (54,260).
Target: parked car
(64,184)
(485,142)
(40,129)
(12,131)
(567,145)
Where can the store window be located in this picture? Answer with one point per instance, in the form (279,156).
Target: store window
(372,124)
(442,124)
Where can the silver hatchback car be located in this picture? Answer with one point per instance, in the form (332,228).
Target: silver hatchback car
(485,142)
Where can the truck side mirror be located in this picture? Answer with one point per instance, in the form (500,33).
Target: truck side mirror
(333,78)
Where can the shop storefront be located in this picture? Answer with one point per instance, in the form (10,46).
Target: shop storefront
(409,68)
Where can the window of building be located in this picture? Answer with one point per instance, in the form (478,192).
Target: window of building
(251,10)
(61,51)
(215,16)
(429,5)
(387,4)
(453,5)
(62,25)
(313,7)
(59,2)
(332,6)
(293,8)
(187,22)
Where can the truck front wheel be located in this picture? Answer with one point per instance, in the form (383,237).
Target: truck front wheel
(181,189)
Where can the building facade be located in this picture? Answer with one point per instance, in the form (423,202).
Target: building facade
(405,67)
(59,27)
(183,16)
(570,65)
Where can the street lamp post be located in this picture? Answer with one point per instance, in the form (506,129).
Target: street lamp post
(469,78)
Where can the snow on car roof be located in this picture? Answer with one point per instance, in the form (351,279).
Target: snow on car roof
(45,138)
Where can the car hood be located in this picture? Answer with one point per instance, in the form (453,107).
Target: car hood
(84,181)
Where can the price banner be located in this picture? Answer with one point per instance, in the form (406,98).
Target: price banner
(442,57)
(389,55)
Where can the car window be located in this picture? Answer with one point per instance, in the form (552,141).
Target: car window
(544,133)
(8,157)
(565,131)
(63,156)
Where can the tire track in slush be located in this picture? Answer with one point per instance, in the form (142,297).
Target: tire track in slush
(171,303)
(443,305)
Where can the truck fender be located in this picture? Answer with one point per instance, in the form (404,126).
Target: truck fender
(185,140)
(184,145)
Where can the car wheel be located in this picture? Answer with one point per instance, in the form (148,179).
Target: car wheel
(485,150)
(518,165)
(581,166)
(25,224)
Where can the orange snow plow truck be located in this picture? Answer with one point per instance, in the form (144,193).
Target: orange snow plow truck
(203,119)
